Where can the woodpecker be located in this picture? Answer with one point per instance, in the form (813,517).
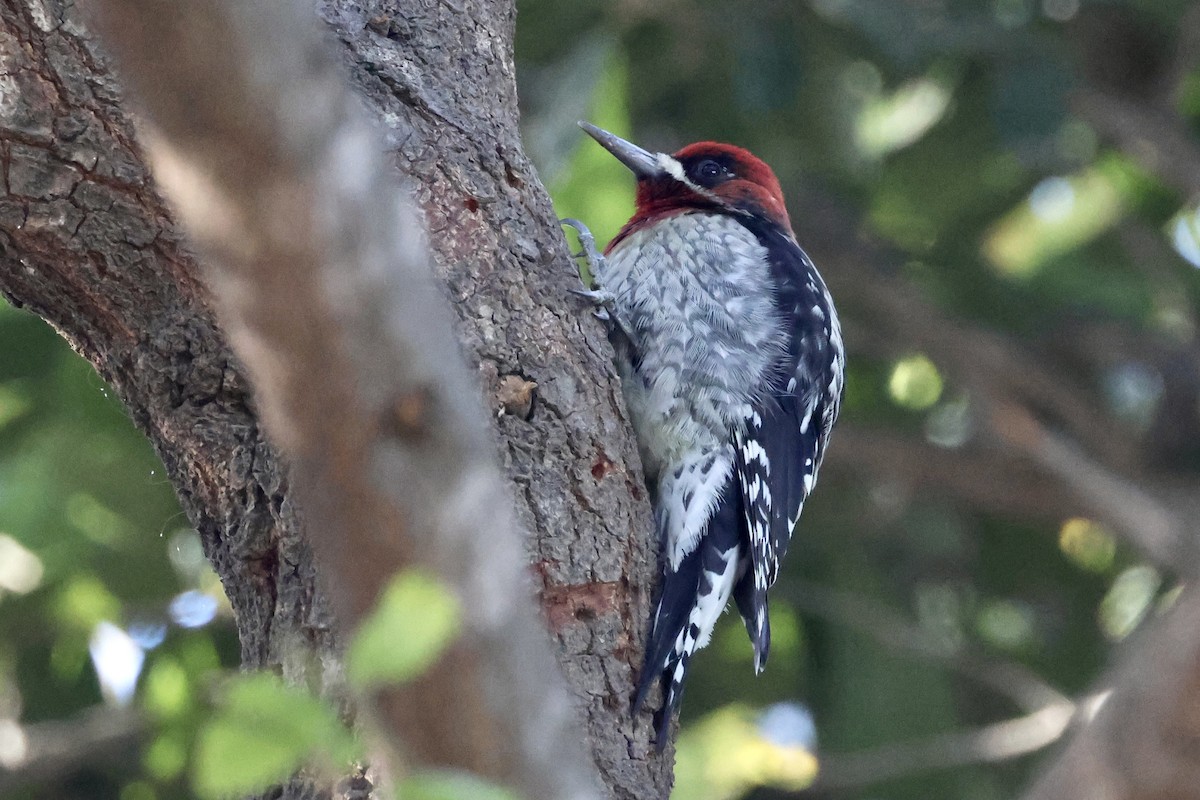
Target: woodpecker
(732,366)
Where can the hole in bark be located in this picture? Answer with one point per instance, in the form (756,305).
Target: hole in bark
(97,260)
(516,396)
(381,24)
(472,204)
(602,467)
(513,179)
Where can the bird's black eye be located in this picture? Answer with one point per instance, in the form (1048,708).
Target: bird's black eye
(708,170)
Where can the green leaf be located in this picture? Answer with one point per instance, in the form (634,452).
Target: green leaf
(724,755)
(915,383)
(85,602)
(166,690)
(416,619)
(166,756)
(231,760)
(261,734)
(446,785)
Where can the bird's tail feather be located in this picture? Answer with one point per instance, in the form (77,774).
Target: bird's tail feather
(692,599)
(752,605)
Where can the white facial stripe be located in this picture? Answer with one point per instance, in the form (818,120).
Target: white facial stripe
(670,165)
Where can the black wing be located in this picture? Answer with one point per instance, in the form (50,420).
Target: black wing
(779,451)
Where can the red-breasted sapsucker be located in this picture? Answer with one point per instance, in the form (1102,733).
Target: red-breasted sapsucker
(732,365)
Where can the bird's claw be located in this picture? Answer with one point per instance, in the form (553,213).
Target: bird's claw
(605,302)
(597,296)
(587,243)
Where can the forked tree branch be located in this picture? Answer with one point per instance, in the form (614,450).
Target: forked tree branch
(322,283)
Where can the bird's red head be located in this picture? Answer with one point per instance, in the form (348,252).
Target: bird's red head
(701,175)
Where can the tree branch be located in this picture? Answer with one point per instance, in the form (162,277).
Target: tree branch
(1141,743)
(1155,529)
(989,480)
(326,295)
(46,751)
(999,741)
(86,243)
(1155,138)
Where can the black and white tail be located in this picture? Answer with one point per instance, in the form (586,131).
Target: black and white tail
(693,596)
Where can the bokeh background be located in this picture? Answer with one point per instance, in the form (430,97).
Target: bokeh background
(1001,196)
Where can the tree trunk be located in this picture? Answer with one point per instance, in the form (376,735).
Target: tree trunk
(87,244)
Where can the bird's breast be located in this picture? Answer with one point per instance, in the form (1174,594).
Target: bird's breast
(694,295)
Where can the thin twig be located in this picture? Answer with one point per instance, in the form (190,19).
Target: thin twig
(1000,741)
(1154,528)
(1156,139)
(50,752)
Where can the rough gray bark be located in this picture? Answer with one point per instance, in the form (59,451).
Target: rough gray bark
(497,245)
(323,286)
(88,245)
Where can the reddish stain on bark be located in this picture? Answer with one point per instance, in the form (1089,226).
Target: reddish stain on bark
(602,466)
(578,603)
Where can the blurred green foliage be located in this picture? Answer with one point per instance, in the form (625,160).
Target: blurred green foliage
(97,538)
(416,610)
(945,131)
(262,732)
(435,785)
(944,127)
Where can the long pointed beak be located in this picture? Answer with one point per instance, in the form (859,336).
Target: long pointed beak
(643,163)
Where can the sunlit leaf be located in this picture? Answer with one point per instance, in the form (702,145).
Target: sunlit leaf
(725,755)
(85,602)
(20,569)
(1087,544)
(450,786)
(1060,214)
(166,691)
(1129,600)
(1005,624)
(417,617)
(894,121)
(915,383)
(261,733)
(165,757)
(232,760)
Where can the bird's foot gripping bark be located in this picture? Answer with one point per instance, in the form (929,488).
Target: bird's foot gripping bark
(603,300)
